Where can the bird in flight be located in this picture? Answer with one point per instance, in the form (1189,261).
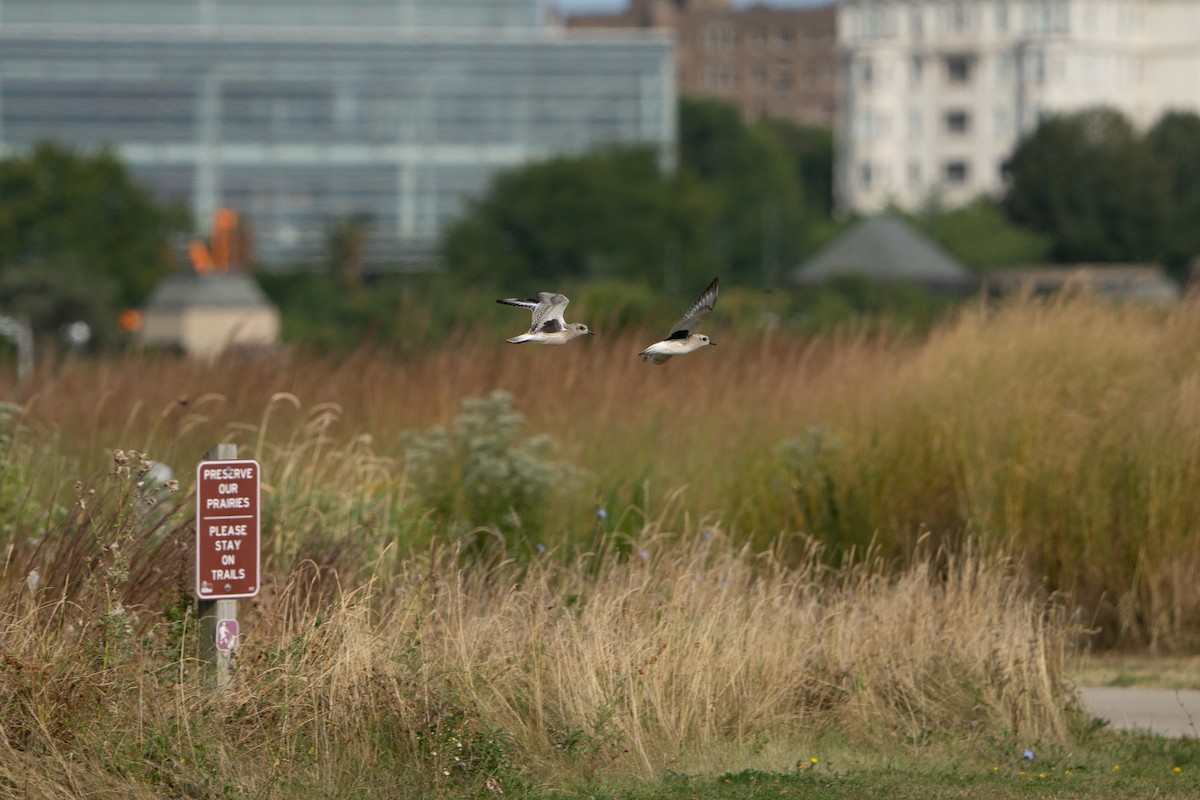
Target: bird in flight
(548,325)
(681,339)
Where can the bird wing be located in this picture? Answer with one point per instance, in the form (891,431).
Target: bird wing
(547,309)
(697,313)
(548,316)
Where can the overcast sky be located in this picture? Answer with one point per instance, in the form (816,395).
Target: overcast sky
(573,6)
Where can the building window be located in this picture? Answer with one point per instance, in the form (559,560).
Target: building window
(916,24)
(914,123)
(960,22)
(877,23)
(956,172)
(958,122)
(869,124)
(1038,68)
(758,38)
(915,66)
(719,77)
(866,74)
(914,173)
(760,76)
(1047,16)
(785,79)
(718,36)
(1001,122)
(1003,68)
(958,69)
(864,175)
(785,38)
(1002,17)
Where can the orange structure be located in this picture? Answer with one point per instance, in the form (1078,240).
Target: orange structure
(227,251)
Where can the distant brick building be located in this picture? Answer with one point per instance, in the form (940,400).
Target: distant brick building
(767,61)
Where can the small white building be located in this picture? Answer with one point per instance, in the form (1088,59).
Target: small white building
(936,93)
(202,315)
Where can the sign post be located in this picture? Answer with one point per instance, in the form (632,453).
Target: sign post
(228,556)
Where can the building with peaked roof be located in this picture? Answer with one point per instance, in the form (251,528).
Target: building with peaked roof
(202,315)
(884,248)
(299,113)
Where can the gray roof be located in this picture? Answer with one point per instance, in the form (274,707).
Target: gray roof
(189,290)
(882,248)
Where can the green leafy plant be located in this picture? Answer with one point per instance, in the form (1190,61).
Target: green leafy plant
(484,474)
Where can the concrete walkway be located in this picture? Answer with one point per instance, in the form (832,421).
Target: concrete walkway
(1166,712)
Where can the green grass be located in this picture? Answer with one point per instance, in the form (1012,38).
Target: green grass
(929,783)
(1124,669)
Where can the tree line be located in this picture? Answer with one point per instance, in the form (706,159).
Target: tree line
(80,239)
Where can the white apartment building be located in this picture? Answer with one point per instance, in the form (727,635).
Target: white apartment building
(936,93)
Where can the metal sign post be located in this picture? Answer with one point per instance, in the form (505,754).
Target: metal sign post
(21,334)
(228,556)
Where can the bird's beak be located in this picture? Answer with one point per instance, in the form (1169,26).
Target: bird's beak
(593,333)
(710,341)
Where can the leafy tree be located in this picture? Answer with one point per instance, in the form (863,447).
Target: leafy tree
(611,213)
(981,236)
(54,295)
(760,221)
(1175,144)
(811,151)
(1090,182)
(77,236)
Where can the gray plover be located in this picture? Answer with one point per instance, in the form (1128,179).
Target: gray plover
(548,325)
(681,340)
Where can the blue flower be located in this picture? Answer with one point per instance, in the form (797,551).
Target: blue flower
(602,514)
(1028,755)
(541,548)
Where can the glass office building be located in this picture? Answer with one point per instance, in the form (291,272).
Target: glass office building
(300,113)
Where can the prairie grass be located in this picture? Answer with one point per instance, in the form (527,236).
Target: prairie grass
(435,678)
(860,541)
(1064,432)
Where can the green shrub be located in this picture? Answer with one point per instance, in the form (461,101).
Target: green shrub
(483,475)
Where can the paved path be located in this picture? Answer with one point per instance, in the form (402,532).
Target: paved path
(1167,712)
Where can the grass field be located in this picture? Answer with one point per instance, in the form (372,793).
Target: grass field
(558,570)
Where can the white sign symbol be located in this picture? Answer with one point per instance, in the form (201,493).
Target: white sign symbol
(227,635)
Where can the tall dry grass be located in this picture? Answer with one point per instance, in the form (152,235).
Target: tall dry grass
(1063,431)
(435,679)
(385,659)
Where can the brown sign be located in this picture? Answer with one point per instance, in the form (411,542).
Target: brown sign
(227,529)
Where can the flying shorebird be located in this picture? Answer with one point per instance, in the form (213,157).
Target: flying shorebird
(681,339)
(548,325)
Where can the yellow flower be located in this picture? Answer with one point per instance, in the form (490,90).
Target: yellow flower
(813,760)
(1116,767)
(1041,775)
(1176,770)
